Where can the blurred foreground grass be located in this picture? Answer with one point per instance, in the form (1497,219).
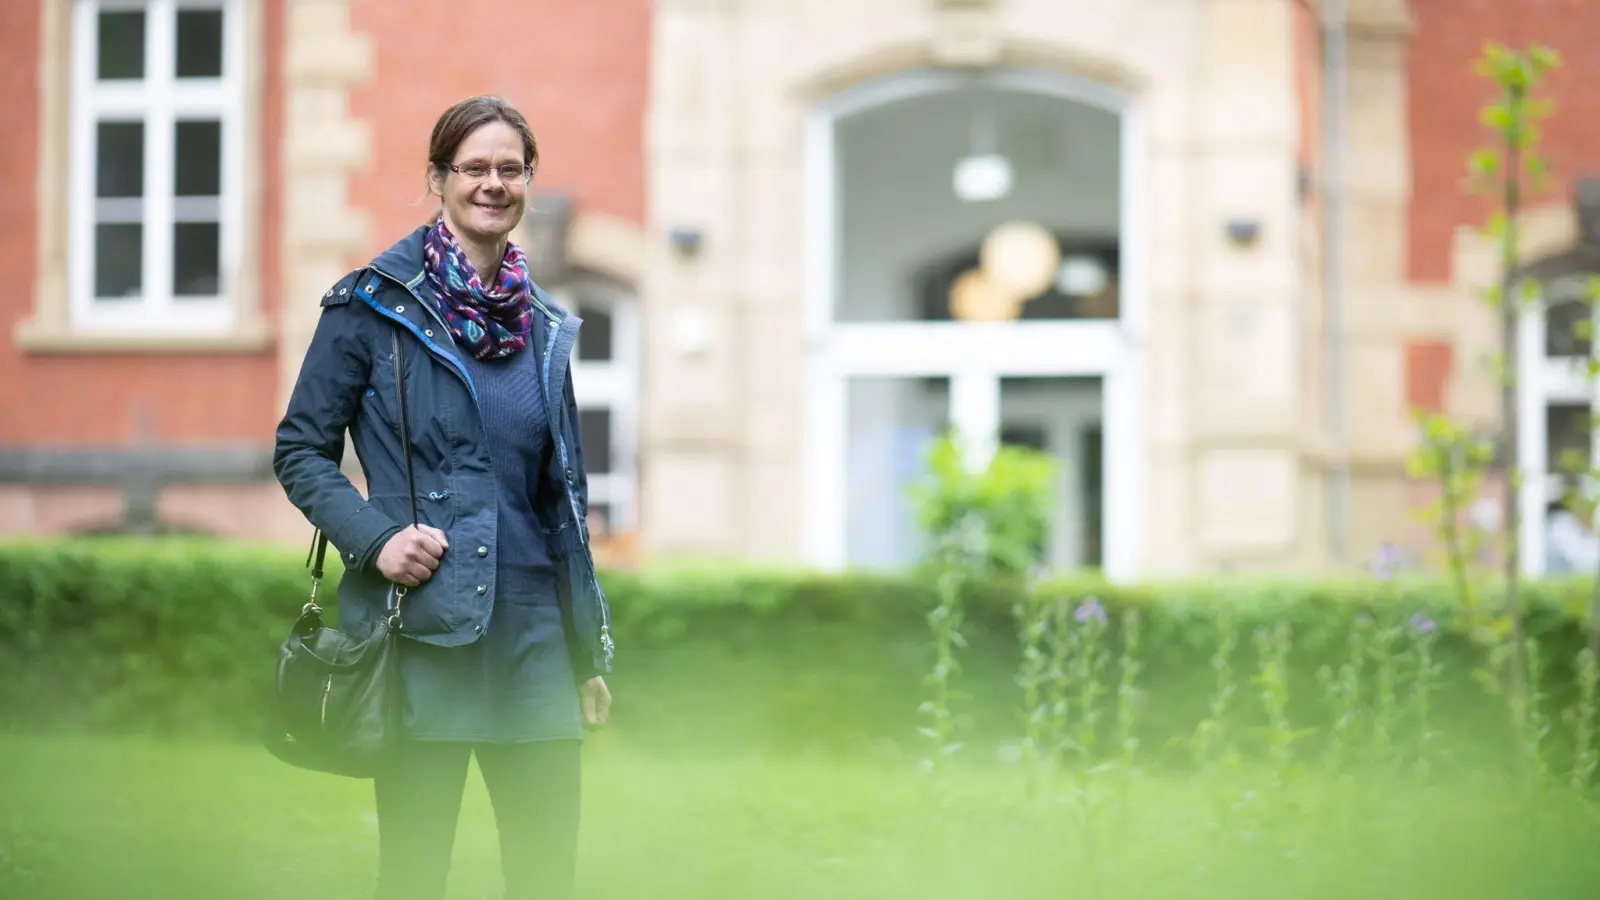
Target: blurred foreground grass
(122,818)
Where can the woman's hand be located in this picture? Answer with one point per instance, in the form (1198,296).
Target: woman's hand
(596,701)
(412,556)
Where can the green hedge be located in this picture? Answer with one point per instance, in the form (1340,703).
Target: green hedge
(179,636)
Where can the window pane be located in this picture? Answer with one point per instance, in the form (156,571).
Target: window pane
(197,171)
(199,43)
(1061,417)
(891,422)
(196,267)
(594,339)
(118,260)
(121,45)
(594,427)
(1567,431)
(119,159)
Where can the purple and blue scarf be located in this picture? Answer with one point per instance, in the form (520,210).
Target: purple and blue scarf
(490,321)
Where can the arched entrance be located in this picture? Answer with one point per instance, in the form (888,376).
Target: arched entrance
(973,262)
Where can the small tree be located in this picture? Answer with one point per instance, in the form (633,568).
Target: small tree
(1510,169)
(1506,171)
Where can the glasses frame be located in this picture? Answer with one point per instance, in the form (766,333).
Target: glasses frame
(527,173)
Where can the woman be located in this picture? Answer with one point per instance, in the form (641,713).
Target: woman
(507,634)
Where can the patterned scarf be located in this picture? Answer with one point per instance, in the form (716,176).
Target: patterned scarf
(490,321)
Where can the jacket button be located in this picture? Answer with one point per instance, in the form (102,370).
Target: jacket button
(400,309)
(482,589)
(483,551)
(428,332)
(478,629)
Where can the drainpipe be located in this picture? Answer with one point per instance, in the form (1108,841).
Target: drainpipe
(1335,104)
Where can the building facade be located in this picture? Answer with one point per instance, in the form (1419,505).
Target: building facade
(805,235)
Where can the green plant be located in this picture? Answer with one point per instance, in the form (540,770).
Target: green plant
(1033,675)
(1210,738)
(1581,717)
(989,522)
(1425,675)
(1342,693)
(1272,685)
(1129,696)
(1456,457)
(1387,658)
(1007,501)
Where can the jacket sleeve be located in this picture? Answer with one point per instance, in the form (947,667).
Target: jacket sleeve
(311,436)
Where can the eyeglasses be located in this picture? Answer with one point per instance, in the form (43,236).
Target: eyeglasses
(510,173)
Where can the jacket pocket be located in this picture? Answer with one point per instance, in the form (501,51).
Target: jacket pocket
(430,601)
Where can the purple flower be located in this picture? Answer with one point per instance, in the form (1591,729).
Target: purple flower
(1090,609)
(1387,562)
(1421,624)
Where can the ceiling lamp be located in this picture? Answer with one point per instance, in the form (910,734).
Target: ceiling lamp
(974,297)
(1021,257)
(1081,276)
(982,177)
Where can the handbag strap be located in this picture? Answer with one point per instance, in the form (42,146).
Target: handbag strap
(319,539)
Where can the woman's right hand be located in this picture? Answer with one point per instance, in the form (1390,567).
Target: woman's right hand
(410,557)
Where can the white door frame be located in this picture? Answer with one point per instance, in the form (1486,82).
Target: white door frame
(1543,380)
(974,356)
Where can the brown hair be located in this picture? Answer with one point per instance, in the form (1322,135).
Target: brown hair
(468,116)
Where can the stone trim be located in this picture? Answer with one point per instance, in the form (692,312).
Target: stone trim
(1379,19)
(322,231)
(50,329)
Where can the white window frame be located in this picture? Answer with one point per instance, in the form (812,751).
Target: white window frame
(159,100)
(612,385)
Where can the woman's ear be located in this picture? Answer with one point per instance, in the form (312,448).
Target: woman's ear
(435,181)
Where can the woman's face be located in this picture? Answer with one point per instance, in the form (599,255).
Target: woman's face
(485,208)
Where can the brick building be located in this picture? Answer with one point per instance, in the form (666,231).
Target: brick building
(805,235)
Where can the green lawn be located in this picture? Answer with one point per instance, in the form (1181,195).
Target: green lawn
(123,818)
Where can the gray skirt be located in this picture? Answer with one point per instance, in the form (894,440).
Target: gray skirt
(513,684)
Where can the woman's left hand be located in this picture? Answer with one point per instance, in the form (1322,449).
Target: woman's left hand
(596,701)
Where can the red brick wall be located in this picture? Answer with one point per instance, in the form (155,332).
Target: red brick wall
(95,399)
(1308,82)
(1445,95)
(577,70)
(19,151)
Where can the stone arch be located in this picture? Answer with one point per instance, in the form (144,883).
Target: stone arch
(834,75)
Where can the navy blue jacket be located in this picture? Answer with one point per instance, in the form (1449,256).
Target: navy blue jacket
(347,381)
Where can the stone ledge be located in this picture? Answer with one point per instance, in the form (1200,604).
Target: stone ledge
(41,337)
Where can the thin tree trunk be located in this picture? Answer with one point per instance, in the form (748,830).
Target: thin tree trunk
(1510,265)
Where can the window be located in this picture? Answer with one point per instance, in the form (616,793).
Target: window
(155,168)
(605,377)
